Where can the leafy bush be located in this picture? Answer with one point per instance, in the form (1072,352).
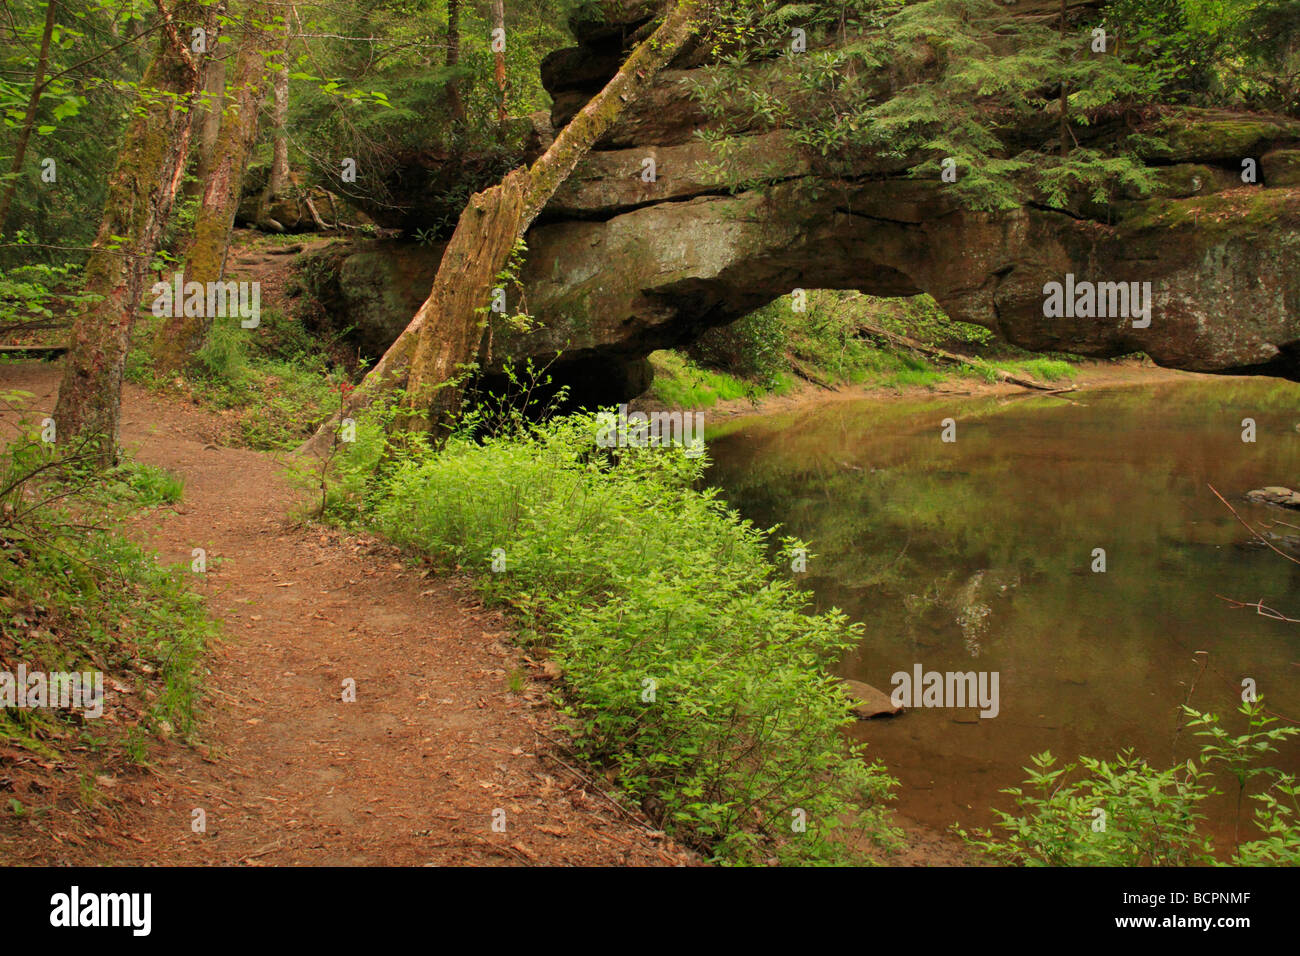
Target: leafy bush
(752,347)
(1127,813)
(690,668)
(35,297)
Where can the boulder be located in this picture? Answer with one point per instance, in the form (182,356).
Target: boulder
(619,266)
(1281,167)
(870,701)
(1275,495)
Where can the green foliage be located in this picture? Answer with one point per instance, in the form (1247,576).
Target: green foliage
(34,298)
(680,383)
(149,484)
(456,153)
(643,585)
(1127,813)
(98,54)
(831,340)
(752,347)
(1215,51)
(918,84)
(274,384)
(78,594)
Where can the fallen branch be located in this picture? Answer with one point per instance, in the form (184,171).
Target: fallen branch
(1260,609)
(808,375)
(1263,540)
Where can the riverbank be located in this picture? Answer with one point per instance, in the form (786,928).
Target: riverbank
(1090,374)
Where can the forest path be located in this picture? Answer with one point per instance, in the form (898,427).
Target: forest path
(286,772)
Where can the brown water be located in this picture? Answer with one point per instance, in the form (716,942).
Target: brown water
(977,555)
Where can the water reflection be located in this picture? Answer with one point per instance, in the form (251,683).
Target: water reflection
(980,554)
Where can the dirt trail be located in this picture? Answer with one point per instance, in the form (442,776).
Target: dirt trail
(288,773)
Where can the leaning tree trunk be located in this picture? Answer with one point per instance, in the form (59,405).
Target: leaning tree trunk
(181,336)
(141,189)
(445,332)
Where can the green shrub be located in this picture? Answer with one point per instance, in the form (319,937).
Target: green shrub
(276,382)
(690,668)
(150,484)
(752,347)
(1127,813)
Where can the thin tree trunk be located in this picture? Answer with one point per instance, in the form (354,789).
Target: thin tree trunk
(207,124)
(445,332)
(455,105)
(278,176)
(499,23)
(181,336)
(29,118)
(141,190)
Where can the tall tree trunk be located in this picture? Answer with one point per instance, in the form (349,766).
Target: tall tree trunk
(499,23)
(455,105)
(207,123)
(29,118)
(445,333)
(278,176)
(141,190)
(181,336)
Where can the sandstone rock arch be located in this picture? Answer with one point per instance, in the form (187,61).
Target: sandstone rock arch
(618,267)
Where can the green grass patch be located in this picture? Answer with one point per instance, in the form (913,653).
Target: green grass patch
(78,595)
(274,383)
(680,383)
(1044,369)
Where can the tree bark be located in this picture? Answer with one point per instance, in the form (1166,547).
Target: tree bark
(181,336)
(499,23)
(141,190)
(207,123)
(445,332)
(278,176)
(29,118)
(455,105)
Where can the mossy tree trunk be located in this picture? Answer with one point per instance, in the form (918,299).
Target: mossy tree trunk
(207,117)
(444,335)
(141,190)
(181,337)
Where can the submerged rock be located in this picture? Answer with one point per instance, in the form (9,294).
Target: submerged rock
(871,702)
(1275,495)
